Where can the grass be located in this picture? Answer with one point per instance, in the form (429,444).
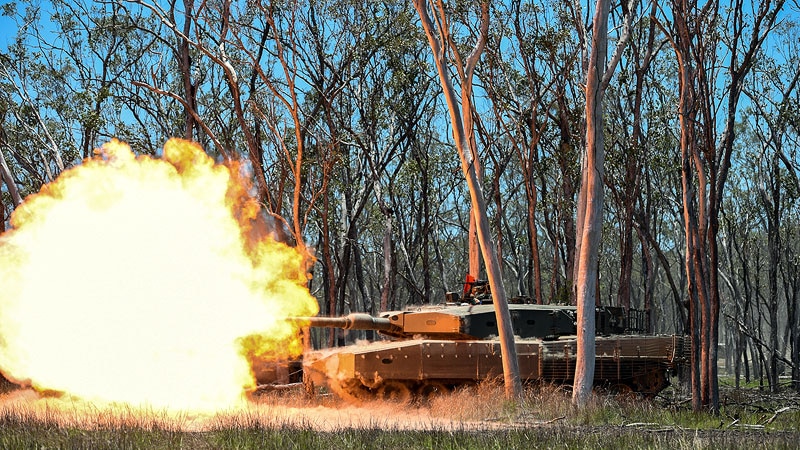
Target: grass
(548,404)
(476,418)
(28,435)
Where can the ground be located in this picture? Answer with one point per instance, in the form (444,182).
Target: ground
(750,419)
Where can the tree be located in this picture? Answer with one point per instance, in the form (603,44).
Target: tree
(706,157)
(7,177)
(628,138)
(590,200)
(442,44)
(778,189)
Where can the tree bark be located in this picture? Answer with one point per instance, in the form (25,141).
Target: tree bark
(8,179)
(464,143)
(185,65)
(590,207)
(589,224)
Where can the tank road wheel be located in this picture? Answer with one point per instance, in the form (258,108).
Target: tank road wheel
(430,390)
(351,391)
(395,391)
(651,383)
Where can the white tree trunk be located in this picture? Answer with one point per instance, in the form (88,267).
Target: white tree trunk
(5,171)
(590,222)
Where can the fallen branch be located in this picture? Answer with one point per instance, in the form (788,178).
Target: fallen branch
(534,422)
(778,412)
(748,426)
(555,420)
(641,424)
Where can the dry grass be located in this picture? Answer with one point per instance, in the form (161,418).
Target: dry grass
(476,417)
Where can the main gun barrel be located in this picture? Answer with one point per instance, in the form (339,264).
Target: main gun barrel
(355,321)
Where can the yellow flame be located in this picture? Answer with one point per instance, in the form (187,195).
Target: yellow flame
(138,280)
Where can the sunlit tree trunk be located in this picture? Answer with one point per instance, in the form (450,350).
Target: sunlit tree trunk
(473,247)
(706,161)
(440,42)
(590,217)
(590,200)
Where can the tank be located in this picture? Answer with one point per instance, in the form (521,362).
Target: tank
(427,350)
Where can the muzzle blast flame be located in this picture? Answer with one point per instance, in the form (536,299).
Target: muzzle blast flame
(146,281)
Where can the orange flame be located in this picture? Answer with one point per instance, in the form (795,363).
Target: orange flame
(139,280)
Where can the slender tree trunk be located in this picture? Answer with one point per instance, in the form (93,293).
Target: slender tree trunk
(792,291)
(427,288)
(388,259)
(185,65)
(439,40)
(8,179)
(772,204)
(474,248)
(590,210)
(533,232)
(564,216)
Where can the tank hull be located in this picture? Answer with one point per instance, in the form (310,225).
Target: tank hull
(404,369)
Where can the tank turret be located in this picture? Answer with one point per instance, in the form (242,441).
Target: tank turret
(457,322)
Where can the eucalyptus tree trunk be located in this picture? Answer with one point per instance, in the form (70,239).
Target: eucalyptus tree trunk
(590,203)
(184,60)
(706,161)
(11,185)
(441,42)
(590,200)
(771,197)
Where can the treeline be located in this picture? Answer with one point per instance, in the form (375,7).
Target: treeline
(337,108)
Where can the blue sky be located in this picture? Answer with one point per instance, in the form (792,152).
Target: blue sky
(8,27)
(7,30)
